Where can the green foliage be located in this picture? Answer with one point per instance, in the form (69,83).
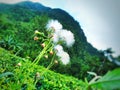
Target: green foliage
(109,81)
(5,74)
(11,44)
(14,75)
(25,76)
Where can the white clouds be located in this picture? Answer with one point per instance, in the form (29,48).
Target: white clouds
(10,1)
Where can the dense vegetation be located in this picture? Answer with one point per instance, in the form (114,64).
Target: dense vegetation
(48,81)
(18,23)
(19,73)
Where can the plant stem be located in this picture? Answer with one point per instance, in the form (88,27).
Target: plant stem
(41,53)
(51,63)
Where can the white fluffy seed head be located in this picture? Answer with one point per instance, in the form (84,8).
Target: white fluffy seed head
(67,37)
(64,56)
(60,34)
(54,24)
(58,48)
(55,38)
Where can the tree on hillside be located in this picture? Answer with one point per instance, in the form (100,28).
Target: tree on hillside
(108,53)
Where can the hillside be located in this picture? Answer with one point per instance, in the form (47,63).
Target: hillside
(18,23)
(19,73)
(49,80)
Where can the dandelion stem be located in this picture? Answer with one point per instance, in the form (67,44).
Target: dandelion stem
(51,63)
(37,59)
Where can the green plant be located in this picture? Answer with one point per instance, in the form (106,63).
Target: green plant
(51,41)
(110,81)
(9,43)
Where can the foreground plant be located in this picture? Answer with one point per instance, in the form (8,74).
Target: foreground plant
(110,81)
(52,40)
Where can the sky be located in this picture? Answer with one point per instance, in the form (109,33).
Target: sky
(99,19)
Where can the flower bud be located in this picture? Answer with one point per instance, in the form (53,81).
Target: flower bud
(51,52)
(19,64)
(46,56)
(37,75)
(43,45)
(56,62)
(36,38)
(36,31)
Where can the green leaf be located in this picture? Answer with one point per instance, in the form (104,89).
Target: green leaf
(5,74)
(108,82)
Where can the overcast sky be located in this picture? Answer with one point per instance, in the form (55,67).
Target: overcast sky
(100,19)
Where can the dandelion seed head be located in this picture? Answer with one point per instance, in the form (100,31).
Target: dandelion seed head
(58,48)
(55,38)
(54,24)
(67,37)
(64,57)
